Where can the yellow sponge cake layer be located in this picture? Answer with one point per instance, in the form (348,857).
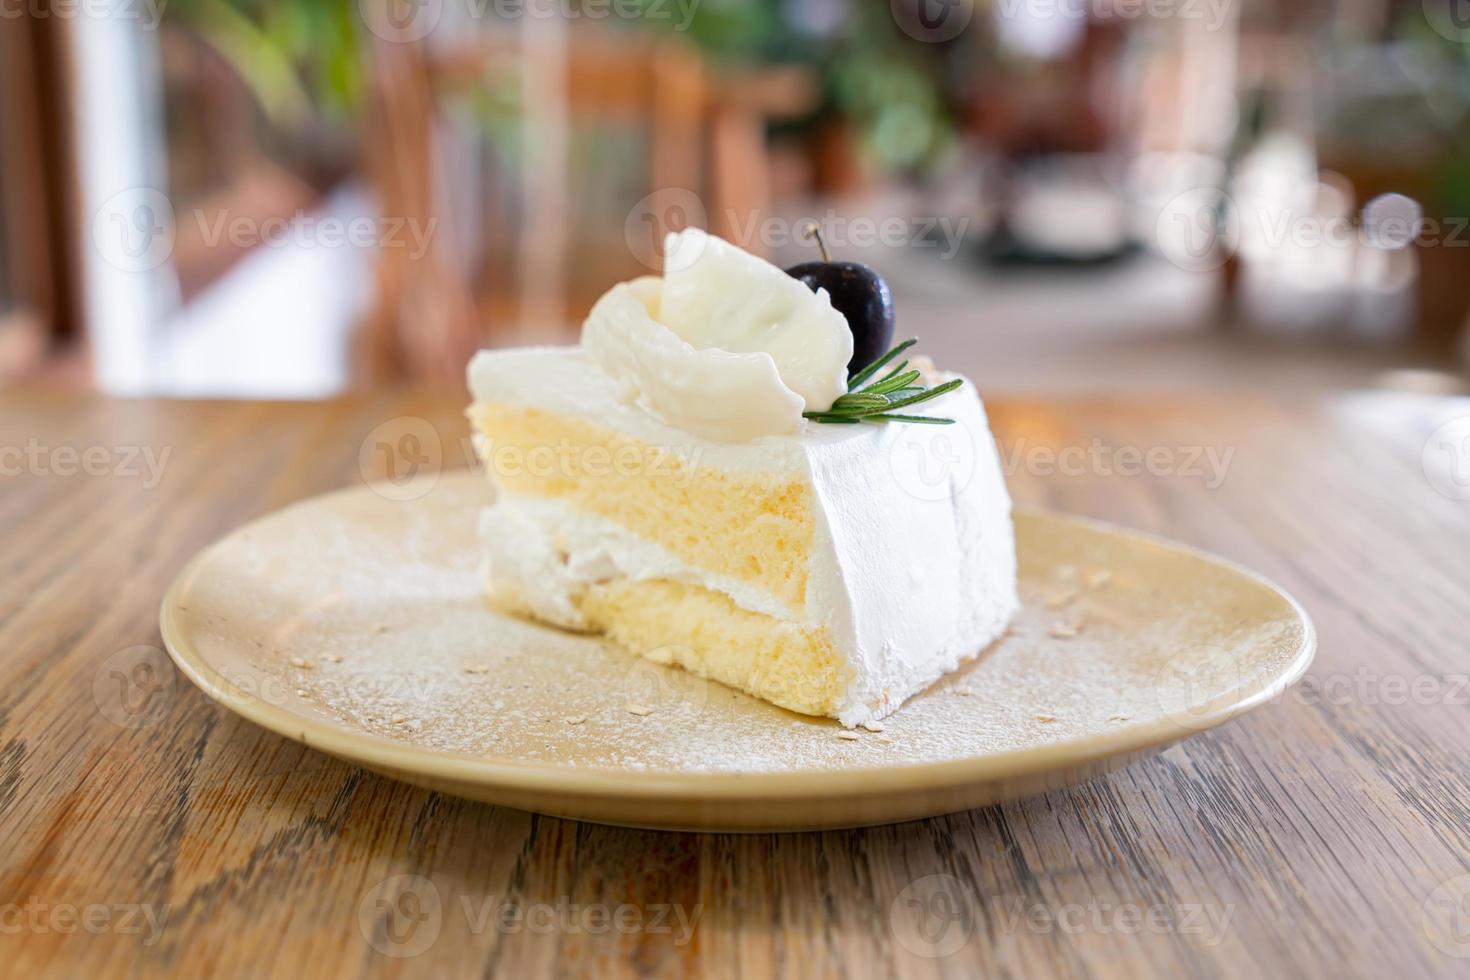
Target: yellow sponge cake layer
(753,527)
(790,664)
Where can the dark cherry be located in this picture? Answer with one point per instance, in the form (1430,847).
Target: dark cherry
(860,295)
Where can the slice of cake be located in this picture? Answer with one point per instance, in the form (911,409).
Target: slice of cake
(696,482)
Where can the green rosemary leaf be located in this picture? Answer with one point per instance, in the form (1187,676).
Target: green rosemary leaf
(924,396)
(891,374)
(875,403)
(876,366)
(895,417)
(859,401)
(892,384)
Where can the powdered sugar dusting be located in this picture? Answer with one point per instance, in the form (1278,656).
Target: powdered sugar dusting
(380,600)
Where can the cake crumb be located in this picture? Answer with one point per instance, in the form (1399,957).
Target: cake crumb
(1117,717)
(1063,631)
(1046,719)
(1059,600)
(639,710)
(475,668)
(848,736)
(381,627)
(873,726)
(576,720)
(398,719)
(332,658)
(300,663)
(301,692)
(1099,578)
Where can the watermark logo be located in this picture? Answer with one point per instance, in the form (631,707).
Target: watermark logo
(1197,230)
(932,917)
(654,218)
(401,916)
(1208,922)
(401,459)
(1214,13)
(932,21)
(1210,465)
(1445,917)
(302,230)
(648,683)
(36,458)
(844,232)
(1193,685)
(148,13)
(401,21)
(133,686)
(1450,19)
(932,462)
(1446,459)
(98,918)
(133,230)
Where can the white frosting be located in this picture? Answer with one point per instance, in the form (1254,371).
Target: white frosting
(913,566)
(713,392)
(725,345)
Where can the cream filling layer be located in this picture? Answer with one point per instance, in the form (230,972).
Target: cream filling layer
(560,551)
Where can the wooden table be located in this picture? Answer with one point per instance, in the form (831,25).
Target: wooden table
(144,830)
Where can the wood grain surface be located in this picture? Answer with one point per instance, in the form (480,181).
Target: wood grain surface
(145,831)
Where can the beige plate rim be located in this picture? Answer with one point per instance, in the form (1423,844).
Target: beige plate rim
(601,782)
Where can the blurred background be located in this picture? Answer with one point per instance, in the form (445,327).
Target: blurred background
(294,198)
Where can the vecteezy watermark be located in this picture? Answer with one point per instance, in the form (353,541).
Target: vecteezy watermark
(1208,922)
(649,684)
(404,21)
(932,917)
(654,218)
(1369,687)
(403,916)
(149,13)
(1214,13)
(566,459)
(657,215)
(1450,19)
(1195,685)
(97,918)
(133,686)
(133,230)
(1197,230)
(840,231)
(1445,917)
(936,916)
(932,462)
(932,21)
(401,459)
(1208,464)
(1446,459)
(305,230)
(317,677)
(1200,228)
(36,458)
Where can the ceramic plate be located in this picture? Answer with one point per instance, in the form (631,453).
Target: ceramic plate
(353,622)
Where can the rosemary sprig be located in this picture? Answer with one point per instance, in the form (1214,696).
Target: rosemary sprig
(876,402)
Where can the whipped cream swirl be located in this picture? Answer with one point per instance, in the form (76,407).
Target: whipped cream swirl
(724,345)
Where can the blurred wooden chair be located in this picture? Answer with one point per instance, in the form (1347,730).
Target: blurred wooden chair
(704,134)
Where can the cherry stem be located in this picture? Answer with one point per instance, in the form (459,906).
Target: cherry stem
(814,232)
